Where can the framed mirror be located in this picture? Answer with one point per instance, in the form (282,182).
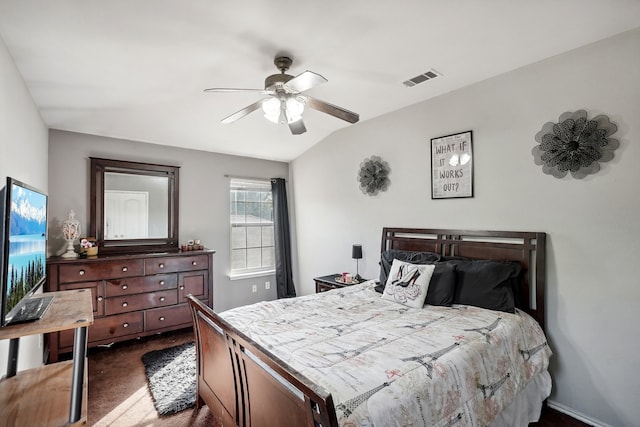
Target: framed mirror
(134,206)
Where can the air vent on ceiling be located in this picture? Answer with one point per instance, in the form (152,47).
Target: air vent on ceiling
(428,75)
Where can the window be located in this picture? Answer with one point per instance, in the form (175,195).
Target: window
(252,240)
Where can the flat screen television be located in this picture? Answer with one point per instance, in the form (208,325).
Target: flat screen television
(24,253)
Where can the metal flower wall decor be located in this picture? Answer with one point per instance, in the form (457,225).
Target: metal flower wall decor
(373,175)
(575,144)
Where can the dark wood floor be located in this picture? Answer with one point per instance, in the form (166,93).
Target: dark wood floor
(552,418)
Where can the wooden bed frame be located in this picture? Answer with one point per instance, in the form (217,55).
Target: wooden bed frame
(243,384)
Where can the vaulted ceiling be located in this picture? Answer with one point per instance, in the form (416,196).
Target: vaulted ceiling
(136,69)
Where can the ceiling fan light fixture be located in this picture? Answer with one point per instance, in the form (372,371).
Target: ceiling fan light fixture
(284,111)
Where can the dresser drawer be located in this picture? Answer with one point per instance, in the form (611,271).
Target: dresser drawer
(77,272)
(166,317)
(176,263)
(137,285)
(324,287)
(137,302)
(194,283)
(107,328)
(97,294)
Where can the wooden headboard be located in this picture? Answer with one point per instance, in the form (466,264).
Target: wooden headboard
(528,248)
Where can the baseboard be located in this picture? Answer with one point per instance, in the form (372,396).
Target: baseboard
(577,415)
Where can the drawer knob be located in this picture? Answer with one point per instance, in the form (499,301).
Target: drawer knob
(162,299)
(125,269)
(124,304)
(125,325)
(161,265)
(194,263)
(161,282)
(81,272)
(182,287)
(125,287)
(161,318)
(100,299)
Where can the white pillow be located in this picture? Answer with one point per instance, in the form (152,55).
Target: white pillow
(408,283)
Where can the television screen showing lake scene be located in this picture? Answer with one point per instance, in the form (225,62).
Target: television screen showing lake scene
(27,243)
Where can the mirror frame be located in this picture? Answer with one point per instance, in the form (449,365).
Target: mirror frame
(98,169)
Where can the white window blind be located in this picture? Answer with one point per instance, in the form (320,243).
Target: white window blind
(251,219)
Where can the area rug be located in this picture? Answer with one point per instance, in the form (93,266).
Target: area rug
(172,377)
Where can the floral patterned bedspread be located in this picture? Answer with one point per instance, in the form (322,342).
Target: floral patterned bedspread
(390,365)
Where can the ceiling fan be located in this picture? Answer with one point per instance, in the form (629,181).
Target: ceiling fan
(286,102)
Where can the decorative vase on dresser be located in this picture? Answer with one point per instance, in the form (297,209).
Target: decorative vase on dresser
(133,295)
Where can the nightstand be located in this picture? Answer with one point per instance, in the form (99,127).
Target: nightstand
(327,283)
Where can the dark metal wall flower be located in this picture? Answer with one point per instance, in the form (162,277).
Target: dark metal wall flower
(575,144)
(373,175)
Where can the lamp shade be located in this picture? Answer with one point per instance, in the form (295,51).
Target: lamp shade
(356,252)
(272,108)
(294,109)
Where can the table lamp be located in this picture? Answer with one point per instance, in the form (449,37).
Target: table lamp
(356,253)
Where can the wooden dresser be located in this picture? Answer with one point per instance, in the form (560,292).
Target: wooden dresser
(133,295)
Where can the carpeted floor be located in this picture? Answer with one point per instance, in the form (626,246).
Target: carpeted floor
(118,392)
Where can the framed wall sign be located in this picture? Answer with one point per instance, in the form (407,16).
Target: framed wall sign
(452,166)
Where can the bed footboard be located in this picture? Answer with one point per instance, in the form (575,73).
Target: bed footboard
(245,385)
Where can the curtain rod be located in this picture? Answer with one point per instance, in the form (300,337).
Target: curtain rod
(253,178)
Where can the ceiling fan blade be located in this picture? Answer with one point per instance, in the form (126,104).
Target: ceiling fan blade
(297,127)
(246,110)
(332,110)
(304,81)
(231,89)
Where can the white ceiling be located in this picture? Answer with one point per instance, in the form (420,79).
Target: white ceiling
(136,69)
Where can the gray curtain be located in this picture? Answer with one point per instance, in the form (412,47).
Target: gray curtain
(284,274)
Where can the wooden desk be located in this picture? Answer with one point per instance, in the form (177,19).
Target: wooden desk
(41,396)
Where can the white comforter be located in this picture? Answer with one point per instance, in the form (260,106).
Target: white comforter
(390,365)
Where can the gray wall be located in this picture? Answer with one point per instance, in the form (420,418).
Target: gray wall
(23,155)
(592,224)
(204,197)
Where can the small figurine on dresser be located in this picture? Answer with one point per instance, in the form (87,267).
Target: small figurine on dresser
(192,245)
(70,231)
(88,247)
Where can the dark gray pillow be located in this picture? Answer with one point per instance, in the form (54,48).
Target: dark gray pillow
(442,286)
(485,283)
(387,257)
